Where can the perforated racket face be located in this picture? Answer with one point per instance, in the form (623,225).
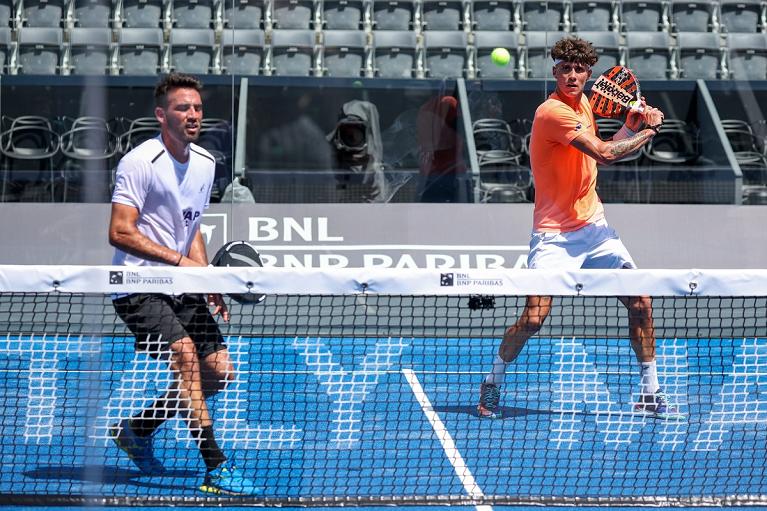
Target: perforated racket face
(614,92)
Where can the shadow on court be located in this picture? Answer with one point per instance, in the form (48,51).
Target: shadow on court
(507,412)
(100,474)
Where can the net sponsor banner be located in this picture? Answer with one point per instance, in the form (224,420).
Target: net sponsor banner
(349,281)
(404,236)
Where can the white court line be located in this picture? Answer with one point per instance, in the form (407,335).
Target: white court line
(461,470)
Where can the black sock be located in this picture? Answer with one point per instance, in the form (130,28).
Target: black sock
(211,452)
(147,422)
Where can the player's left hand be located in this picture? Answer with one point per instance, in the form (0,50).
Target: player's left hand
(635,116)
(219,306)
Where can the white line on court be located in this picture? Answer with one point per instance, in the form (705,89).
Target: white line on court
(461,470)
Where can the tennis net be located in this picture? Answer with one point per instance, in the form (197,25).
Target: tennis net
(361,386)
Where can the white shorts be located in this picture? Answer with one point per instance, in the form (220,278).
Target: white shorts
(594,246)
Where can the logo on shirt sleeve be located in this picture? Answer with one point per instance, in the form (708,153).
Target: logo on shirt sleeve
(578,126)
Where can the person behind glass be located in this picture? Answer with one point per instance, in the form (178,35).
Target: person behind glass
(569,226)
(440,151)
(162,188)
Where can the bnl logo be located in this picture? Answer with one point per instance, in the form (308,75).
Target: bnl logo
(446,279)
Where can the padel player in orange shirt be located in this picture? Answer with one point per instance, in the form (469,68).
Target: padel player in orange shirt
(569,227)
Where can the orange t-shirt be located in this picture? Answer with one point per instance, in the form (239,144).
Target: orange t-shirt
(565,178)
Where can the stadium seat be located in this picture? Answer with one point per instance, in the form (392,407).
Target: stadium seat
(607,46)
(747,56)
(293,53)
(91,13)
(141,13)
(7,13)
(5,49)
(501,177)
(495,15)
(485,42)
(692,15)
(29,144)
(537,60)
(699,55)
(444,14)
(242,51)
(446,55)
(191,50)
(651,55)
(293,14)
(593,15)
(543,15)
(395,15)
(396,54)
(742,15)
(643,15)
(345,53)
(39,51)
(140,51)
(676,143)
(90,51)
(193,13)
(243,13)
(139,130)
(345,14)
(41,13)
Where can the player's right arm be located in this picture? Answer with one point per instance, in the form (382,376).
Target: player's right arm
(606,152)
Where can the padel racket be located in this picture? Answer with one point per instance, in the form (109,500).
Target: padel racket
(615,92)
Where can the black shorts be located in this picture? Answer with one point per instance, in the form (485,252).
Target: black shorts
(157,321)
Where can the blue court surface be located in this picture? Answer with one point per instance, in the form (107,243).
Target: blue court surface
(341,418)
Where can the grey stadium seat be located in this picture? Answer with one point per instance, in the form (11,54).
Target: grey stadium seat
(442,14)
(293,14)
(344,14)
(192,50)
(41,13)
(593,15)
(699,55)
(92,13)
(344,53)
(242,51)
(243,13)
(742,15)
(543,15)
(643,15)
(494,14)
(395,54)
(292,52)
(485,42)
(6,13)
(394,15)
(142,13)
(5,48)
(692,15)
(650,55)
(445,54)
(608,48)
(192,13)
(90,51)
(747,56)
(538,62)
(140,51)
(39,50)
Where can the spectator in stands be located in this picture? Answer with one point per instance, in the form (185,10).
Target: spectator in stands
(162,188)
(440,156)
(569,226)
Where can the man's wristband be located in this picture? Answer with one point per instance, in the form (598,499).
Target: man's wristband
(180,257)
(656,128)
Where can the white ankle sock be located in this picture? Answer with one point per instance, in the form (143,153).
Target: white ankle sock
(498,374)
(649,373)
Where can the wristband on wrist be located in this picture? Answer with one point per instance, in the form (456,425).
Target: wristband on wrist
(656,128)
(624,132)
(180,257)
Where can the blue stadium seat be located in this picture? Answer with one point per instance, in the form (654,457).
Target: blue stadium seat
(395,15)
(742,15)
(39,51)
(345,14)
(444,14)
(495,15)
(446,55)
(92,13)
(692,15)
(747,56)
(293,14)
(643,15)
(651,55)
(293,53)
(192,13)
(41,13)
(543,15)
(699,55)
(396,54)
(141,13)
(593,15)
(243,13)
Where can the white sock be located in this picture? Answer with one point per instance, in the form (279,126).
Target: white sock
(498,374)
(649,373)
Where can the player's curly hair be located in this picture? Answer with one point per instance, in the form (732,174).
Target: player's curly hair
(574,49)
(174,81)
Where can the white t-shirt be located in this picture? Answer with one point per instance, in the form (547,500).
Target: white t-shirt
(170,196)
